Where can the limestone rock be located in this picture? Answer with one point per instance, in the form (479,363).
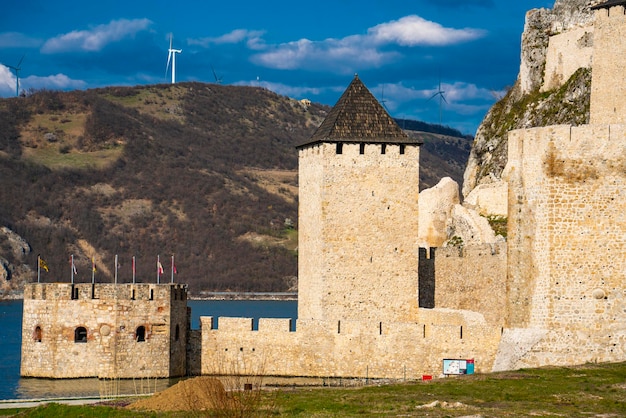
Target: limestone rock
(18,245)
(468,227)
(489,199)
(435,209)
(567,105)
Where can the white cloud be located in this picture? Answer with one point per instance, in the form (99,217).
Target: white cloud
(414,30)
(363,51)
(53,82)
(7,82)
(95,38)
(18,40)
(252,38)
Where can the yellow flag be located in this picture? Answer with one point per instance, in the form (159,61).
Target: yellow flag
(93,264)
(43,264)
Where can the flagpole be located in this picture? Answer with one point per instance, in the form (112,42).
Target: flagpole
(93,270)
(133,269)
(38,269)
(158,271)
(115,268)
(172,279)
(72,258)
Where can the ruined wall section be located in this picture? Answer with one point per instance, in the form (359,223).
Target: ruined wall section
(53,346)
(364,235)
(566,53)
(472,278)
(566,242)
(346,348)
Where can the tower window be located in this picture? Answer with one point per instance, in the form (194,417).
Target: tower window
(140,334)
(80,335)
(361,149)
(339,149)
(37,334)
(383,148)
(402,146)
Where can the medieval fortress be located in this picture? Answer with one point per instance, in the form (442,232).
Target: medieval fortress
(379,295)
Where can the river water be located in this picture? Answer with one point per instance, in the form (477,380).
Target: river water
(14,387)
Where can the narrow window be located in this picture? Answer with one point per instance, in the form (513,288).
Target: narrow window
(338,327)
(339,149)
(361,149)
(461,334)
(80,335)
(402,149)
(140,334)
(383,148)
(151,294)
(380,328)
(37,334)
(177,333)
(74,292)
(132,295)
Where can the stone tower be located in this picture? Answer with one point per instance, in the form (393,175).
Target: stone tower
(358,215)
(104,330)
(567,223)
(608,87)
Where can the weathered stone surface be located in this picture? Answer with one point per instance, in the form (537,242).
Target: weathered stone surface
(489,199)
(435,210)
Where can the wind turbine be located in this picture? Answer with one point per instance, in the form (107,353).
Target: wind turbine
(441,99)
(172,56)
(382,98)
(17,70)
(218,80)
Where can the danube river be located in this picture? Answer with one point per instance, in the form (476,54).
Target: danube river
(14,387)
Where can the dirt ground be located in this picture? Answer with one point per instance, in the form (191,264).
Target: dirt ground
(197,394)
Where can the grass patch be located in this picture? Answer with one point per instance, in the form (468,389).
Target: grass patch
(53,159)
(591,390)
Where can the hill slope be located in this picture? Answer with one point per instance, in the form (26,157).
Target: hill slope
(205,172)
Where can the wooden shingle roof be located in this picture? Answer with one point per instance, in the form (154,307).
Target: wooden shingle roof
(359,117)
(609,4)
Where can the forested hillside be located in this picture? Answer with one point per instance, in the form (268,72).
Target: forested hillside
(204,172)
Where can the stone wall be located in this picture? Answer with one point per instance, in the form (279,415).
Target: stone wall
(85,330)
(566,242)
(357,229)
(567,52)
(608,88)
(346,348)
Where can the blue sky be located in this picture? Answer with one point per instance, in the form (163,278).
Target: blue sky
(401,49)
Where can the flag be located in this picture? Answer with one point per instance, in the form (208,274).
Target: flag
(159,268)
(43,265)
(93,265)
(73,265)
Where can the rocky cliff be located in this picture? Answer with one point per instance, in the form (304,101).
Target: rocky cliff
(530,103)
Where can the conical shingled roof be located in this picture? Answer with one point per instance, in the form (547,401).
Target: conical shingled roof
(609,4)
(358,117)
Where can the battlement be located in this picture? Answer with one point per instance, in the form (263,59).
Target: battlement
(105,291)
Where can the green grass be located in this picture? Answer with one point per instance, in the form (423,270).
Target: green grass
(53,159)
(588,391)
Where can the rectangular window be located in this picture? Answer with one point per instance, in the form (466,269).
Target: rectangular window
(402,146)
(361,149)
(383,149)
(339,149)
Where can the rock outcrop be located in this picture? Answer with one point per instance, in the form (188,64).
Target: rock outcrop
(524,106)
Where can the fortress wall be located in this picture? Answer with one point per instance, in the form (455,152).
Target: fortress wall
(349,348)
(608,86)
(363,199)
(310,241)
(566,53)
(472,278)
(568,220)
(110,349)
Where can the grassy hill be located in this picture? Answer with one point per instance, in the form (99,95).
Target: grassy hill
(205,172)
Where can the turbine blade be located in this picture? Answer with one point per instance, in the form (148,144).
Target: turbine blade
(434,95)
(20,63)
(167,67)
(443,98)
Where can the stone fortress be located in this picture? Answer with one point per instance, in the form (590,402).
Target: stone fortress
(379,296)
